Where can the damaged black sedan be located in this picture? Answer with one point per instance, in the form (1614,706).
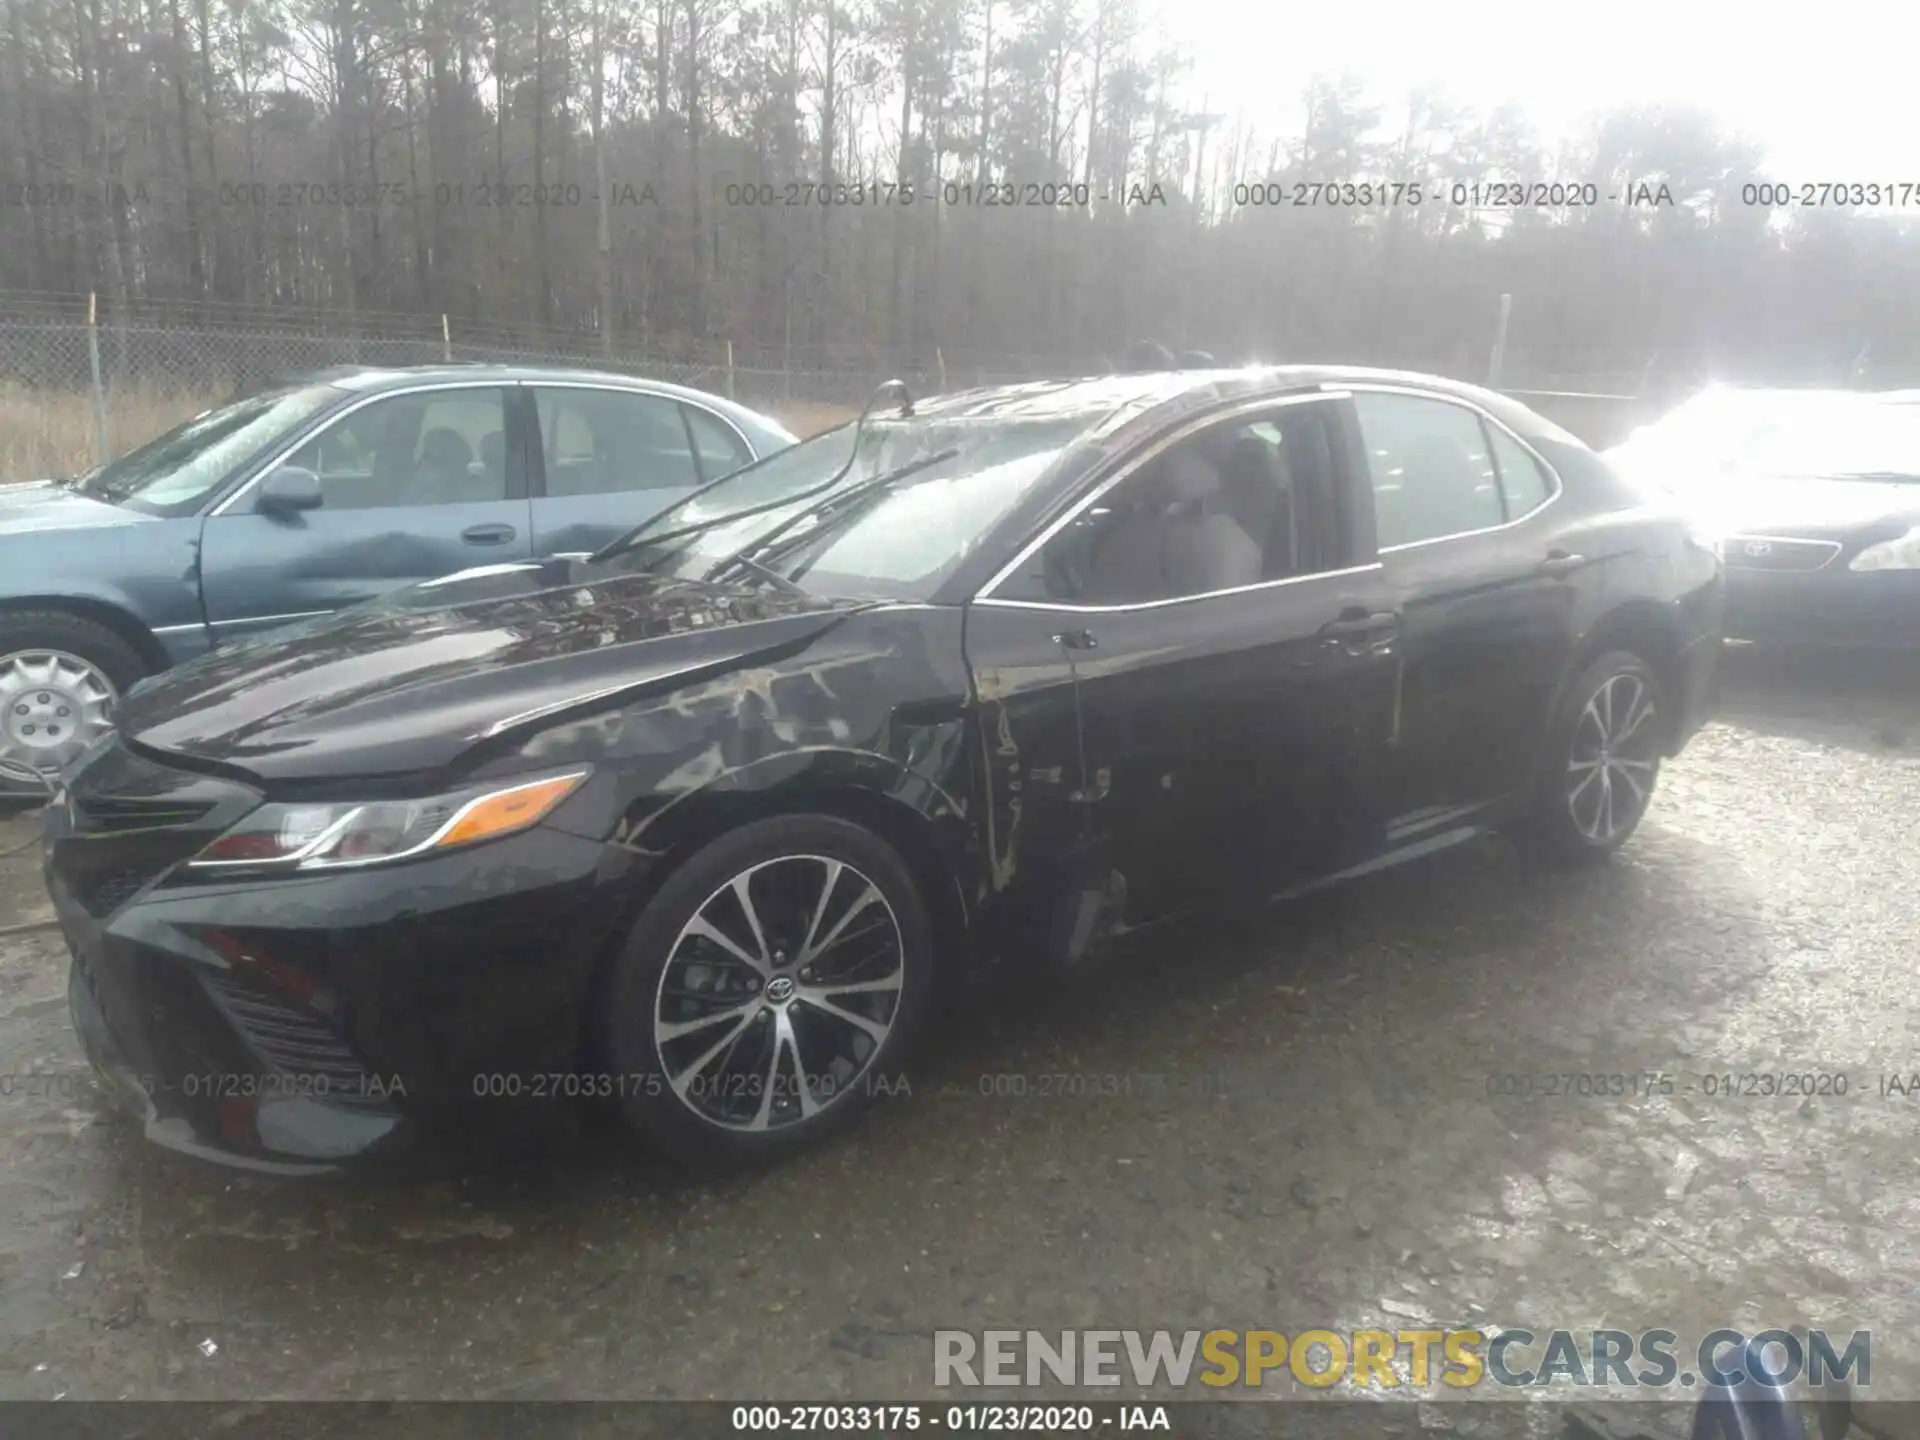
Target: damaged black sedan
(697,824)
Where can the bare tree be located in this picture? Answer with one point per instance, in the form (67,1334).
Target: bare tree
(171,120)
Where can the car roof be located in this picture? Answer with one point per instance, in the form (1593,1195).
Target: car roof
(373,380)
(1155,395)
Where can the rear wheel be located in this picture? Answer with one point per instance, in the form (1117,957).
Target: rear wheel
(60,674)
(1602,762)
(769,991)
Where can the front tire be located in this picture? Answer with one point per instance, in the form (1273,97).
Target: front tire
(60,674)
(768,993)
(1602,761)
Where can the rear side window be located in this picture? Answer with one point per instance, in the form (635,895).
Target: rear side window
(715,445)
(599,441)
(1522,481)
(1431,471)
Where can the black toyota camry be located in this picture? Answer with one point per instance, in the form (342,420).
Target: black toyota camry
(696,824)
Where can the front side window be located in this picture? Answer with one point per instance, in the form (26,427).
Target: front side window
(603,441)
(1235,505)
(180,471)
(1431,471)
(431,448)
(917,498)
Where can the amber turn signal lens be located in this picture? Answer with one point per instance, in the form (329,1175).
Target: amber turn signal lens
(505,811)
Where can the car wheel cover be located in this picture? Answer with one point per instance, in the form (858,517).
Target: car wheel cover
(53,704)
(778,993)
(1614,758)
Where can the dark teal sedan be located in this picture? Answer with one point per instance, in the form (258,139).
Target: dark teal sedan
(315,495)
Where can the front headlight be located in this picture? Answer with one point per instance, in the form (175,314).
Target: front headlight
(346,834)
(1900,553)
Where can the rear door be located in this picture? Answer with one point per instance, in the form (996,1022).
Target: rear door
(607,458)
(1489,598)
(413,485)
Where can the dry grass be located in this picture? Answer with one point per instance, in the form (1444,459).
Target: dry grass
(51,432)
(806,419)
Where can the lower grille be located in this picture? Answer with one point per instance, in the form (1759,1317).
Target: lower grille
(1769,552)
(100,895)
(295,1044)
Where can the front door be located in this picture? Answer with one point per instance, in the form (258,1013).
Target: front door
(1234,672)
(413,487)
(607,459)
(1040,869)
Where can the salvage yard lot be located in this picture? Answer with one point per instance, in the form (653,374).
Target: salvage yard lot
(1322,1149)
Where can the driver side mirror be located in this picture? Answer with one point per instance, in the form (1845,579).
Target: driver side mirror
(288,491)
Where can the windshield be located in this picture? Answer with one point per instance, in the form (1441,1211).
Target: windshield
(174,474)
(896,539)
(1881,442)
(1816,434)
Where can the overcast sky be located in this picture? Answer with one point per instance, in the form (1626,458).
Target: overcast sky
(1824,85)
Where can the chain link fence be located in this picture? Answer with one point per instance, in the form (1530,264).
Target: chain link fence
(77,387)
(73,394)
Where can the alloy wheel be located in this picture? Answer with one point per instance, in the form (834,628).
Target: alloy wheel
(778,993)
(52,706)
(1615,756)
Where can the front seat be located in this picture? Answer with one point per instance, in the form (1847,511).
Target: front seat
(493,460)
(1176,543)
(1254,490)
(442,472)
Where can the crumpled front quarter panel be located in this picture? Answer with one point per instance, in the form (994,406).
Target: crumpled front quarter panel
(873,711)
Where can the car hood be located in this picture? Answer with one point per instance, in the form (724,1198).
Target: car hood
(412,682)
(36,505)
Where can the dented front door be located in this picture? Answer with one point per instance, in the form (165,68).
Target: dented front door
(1233,741)
(1041,871)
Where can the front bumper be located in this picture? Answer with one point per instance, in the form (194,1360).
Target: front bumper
(1832,606)
(302,1025)
(136,1094)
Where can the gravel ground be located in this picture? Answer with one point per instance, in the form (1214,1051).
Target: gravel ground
(1326,1153)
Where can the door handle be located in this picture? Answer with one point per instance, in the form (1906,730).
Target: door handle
(1076,640)
(1559,562)
(1357,631)
(487,534)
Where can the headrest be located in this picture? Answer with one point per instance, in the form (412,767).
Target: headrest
(1185,476)
(445,447)
(1250,459)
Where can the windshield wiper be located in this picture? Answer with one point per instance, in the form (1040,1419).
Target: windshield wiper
(767,572)
(846,502)
(638,536)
